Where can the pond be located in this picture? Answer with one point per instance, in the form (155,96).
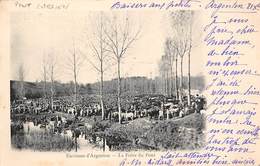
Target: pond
(41,137)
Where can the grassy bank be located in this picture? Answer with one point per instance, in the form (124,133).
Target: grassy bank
(184,133)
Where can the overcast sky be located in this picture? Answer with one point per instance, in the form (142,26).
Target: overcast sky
(34,35)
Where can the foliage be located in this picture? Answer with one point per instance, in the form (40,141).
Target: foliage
(185,133)
(131,85)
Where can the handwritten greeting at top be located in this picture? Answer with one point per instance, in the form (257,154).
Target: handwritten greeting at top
(168,5)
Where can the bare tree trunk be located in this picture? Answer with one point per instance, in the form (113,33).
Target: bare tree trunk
(101,69)
(44,77)
(143,85)
(22,89)
(130,86)
(104,143)
(44,86)
(163,84)
(172,82)
(75,80)
(101,94)
(167,82)
(21,75)
(45,80)
(189,87)
(52,65)
(181,81)
(75,94)
(76,143)
(119,91)
(52,88)
(176,78)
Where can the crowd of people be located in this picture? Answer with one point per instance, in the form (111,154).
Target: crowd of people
(152,106)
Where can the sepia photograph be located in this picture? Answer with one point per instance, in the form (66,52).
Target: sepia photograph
(107,81)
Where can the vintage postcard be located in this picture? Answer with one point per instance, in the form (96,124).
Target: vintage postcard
(130,83)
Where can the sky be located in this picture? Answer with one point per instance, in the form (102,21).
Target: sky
(35,35)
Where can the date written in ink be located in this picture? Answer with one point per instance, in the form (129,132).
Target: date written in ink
(131,162)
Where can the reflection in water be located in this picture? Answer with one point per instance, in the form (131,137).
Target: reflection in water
(44,137)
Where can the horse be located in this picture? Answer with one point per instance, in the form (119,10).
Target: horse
(70,110)
(128,115)
(173,110)
(199,104)
(153,112)
(161,114)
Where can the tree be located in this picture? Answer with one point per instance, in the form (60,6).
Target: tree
(120,36)
(21,77)
(99,54)
(171,57)
(52,61)
(74,63)
(182,36)
(89,89)
(44,75)
(164,69)
(189,53)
